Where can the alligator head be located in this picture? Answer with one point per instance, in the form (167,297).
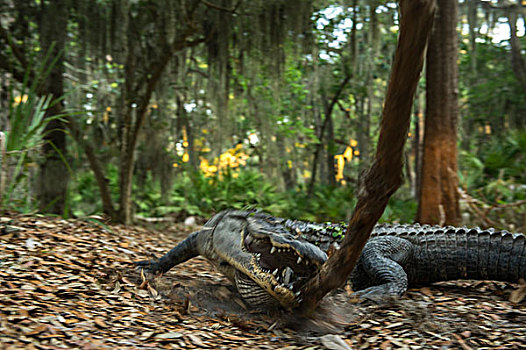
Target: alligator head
(268,263)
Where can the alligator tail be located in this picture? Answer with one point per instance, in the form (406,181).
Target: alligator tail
(501,256)
(460,253)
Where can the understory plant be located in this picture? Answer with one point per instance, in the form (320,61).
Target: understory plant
(26,124)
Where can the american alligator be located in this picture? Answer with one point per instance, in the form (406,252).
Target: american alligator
(269,259)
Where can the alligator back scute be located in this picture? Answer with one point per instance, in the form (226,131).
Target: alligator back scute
(494,255)
(517,268)
(483,249)
(473,252)
(455,251)
(505,255)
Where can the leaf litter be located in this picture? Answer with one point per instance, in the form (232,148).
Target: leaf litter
(68,284)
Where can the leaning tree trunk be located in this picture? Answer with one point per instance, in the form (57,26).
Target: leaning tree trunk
(53,173)
(438,200)
(385,175)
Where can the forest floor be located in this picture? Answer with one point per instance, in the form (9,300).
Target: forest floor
(71,284)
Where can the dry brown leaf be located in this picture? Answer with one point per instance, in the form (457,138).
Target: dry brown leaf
(100,322)
(152,291)
(38,329)
(518,295)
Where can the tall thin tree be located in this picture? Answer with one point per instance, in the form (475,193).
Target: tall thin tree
(439,199)
(53,173)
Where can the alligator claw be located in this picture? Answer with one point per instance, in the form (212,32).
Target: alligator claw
(151,266)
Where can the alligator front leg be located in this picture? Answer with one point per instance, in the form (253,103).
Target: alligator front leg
(182,252)
(379,272)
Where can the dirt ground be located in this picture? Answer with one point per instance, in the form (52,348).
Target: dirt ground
(71,284)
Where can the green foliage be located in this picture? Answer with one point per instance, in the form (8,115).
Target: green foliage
(85,197)
(196,194)
(400,209)
(326,204)
(494,94)
(497,178)
(501,160)
(27,123)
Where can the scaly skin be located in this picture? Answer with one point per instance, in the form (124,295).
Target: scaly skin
(269,259)
(400,255)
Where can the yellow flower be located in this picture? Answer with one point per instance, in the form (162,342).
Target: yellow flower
(348,153)
(20,99)
(339,166)
(212,169)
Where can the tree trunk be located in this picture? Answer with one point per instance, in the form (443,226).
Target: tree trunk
(53,173)
(140,88)
(417,148)
(517,60)
(328,108)
(438,200)
(284,159)
(385,175)
(3,168)
(331,146)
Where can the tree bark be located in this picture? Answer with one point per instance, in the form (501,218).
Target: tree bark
(53,176)
(517,59)
(438,200)
(385,175)
(3,167)
(331,146)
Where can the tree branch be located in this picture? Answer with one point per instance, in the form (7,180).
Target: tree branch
(17,51)
(221,8)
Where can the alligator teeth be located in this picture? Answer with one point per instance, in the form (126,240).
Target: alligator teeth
(297,294)
(275,272)
(299,260)
(272,250)
(287,275)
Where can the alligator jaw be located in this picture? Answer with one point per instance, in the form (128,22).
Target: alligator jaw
(265,252)
(281,266)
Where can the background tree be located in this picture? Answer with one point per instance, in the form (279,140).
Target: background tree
(439,199)
(53,171)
